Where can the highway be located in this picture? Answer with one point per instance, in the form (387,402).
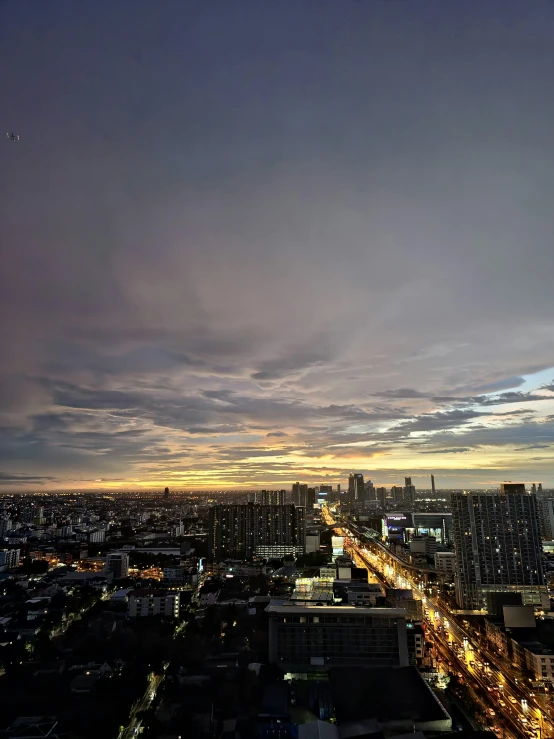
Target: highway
(498,689)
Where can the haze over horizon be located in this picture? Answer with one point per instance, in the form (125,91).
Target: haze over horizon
(243,244)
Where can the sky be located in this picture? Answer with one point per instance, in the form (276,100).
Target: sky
(249,242)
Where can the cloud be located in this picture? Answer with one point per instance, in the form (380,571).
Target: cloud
(187,291)
(447,450)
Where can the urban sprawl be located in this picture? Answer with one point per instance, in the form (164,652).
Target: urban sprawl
(332,612)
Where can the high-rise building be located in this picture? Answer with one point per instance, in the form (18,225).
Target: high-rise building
(498,546)
(9,558)
(245,531)
(271,497)
(356,491)
(433,484)
(397,494)
(118,564)
(311,637)
(381,496)
(512,487)
(299,492)
(166,494)
(546,516)
(310,499)
(408,494)
(369,490)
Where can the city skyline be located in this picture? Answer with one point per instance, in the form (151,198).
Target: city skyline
(244,249)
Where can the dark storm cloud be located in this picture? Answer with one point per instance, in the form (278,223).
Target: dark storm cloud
(330,219)
(10,479)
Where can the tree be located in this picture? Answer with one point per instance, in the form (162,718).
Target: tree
(34,566)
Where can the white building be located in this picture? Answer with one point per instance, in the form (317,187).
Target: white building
(150,602)
(445,563)
(9,558)
(118,564)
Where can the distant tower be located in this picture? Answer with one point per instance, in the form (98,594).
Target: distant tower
(534,488)
(166,494)
(433,484)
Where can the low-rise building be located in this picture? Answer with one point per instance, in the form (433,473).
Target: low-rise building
(303,637)
(151,602)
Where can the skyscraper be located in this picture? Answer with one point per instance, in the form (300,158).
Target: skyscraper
(546,516)
(498,546)
(271,497)
(433,484)
(299,491)
(381,494)
(397,494)
(408,494)
(356,491)
(245,531)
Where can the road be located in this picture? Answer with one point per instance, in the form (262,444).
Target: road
(498,689)
(133,727)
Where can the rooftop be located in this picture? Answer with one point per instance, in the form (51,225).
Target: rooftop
(387,694)
(304,608)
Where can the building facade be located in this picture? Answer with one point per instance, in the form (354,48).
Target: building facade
(271,497)
(245,531)
(299,493)
(304,637)
(9,558)
(445,564)
(150,602)
(546,515)
(356,488)
(118,564)
(498,546)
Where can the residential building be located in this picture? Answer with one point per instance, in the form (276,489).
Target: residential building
(408,494)
(97,536)
(498,546)
(546,515)
(304,637)
(271,497)
(9,558)
(151,602)
(381,496)
(397,494)
(245,531)
(445,564)
(299,494)
(118,564)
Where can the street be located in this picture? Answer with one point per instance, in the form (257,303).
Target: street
(496,686)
